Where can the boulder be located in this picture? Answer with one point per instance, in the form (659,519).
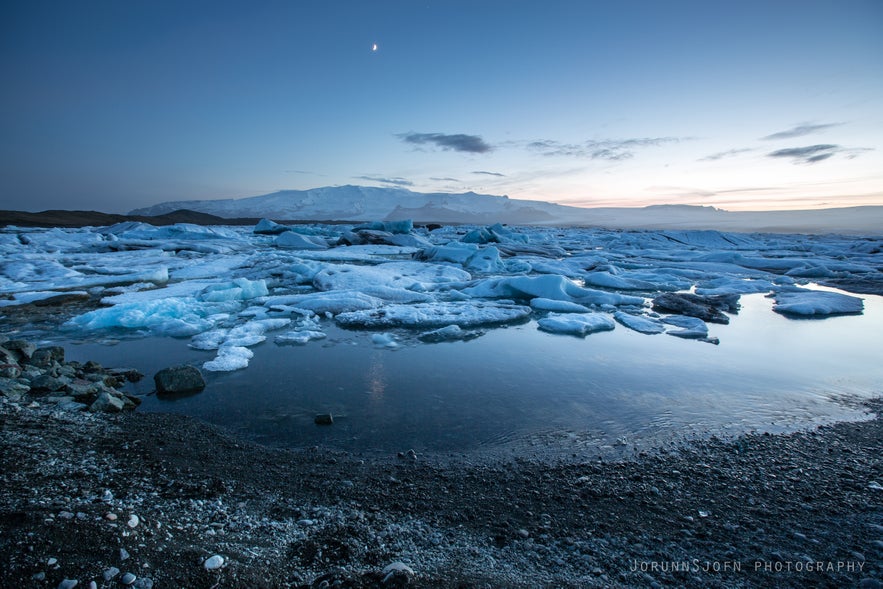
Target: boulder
(179,379)
(107,403)
(709,308)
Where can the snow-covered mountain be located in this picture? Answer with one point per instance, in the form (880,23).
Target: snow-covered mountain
(365,203)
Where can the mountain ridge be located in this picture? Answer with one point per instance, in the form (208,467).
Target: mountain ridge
(368,203)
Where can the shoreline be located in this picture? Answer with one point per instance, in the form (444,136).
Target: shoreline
(702,516)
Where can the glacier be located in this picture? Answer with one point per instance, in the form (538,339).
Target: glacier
(229,289)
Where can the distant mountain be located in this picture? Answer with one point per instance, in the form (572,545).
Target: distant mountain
(364,203)
(64,218)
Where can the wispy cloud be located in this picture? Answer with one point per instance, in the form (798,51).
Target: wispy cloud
(725,154)
(444,179)
(455,142)
(800,131)
(395,181)
(607,149)
(485,173)
(812,154)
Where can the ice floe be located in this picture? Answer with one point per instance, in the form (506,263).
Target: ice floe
(808,303)
(576,324)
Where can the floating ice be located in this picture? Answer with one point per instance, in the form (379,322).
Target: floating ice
(229,358)
(293,240)
(810,303)
(238,289)
(468,255)
(333,302)
(414,276)
(573,324)
(690,327)
(436,314)
(542,304)
(548,286)
(448,334)
(404,226)
(386,340)
(640,323)
(299,337)
(177,317)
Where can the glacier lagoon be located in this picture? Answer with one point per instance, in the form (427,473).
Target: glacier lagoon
(285,333)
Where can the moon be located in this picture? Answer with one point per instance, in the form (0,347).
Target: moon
(374,47)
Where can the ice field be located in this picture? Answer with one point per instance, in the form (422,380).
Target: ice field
(537,329)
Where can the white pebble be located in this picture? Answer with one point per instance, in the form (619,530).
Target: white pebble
(133,521)
(128,579)
(111,573)
(51,561)
(68,584)
(110,516)
(214,563)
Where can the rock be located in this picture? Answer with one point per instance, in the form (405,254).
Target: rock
(8,357)
(128,579)
(41,576)
(323,419)
(522,533)
(179,379)
(52,561)
(93,585)
(124,554)
(397,573)
(12,389)
(46,356)
(24,350)
(709,308)
(62,299)
(107,403)
(110,573)
(143,583)
(129,374)
(133,521)
(213,563)
(68,584)
(48,384)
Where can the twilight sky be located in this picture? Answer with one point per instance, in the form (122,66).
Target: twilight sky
(117,104)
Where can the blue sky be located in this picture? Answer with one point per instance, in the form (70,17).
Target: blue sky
(742,105)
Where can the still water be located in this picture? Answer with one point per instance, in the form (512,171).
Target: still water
(519,389)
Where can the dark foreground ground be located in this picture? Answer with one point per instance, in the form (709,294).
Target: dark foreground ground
(798,510)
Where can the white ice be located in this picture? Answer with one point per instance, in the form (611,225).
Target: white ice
(576,324)
(810,303)
(425,315)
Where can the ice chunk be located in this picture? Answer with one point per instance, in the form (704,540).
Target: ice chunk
(436,314)
(408,275)
(691,327)
(386,340)
(229,358)
(334,302)
(448,334)
(639,323)
(268,227)
(548,286)
(239,289)
(298,337)
(177,317)
(573,324)
(293,240)
(542,304)
(813,303)
(404,226)
(469,255)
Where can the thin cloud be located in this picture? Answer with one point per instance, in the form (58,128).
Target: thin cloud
(395,181)
(445,179)
(800,131)
(607,149)
(455,142)
(810,154)
(484,173)
(725,154)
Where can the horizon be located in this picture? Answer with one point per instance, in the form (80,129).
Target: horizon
(754,107)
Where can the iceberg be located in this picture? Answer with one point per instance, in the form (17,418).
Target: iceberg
(580,325)
(423,315)
(176,317)
(548,286)
(237,290)
(640,323)
(813,303)
(229,358)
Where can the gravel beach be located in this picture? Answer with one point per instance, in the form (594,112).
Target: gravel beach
(160,500)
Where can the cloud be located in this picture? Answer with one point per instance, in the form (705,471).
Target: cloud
(810,154)
(607,149)
(800,131)
(395,181)
(456,142)
(444,179)
(724,154)
(484,173)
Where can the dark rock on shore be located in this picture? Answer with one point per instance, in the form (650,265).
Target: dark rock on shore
(179,379)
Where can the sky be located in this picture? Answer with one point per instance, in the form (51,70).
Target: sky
(742,105)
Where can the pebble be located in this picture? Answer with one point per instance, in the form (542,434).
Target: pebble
(523,533)
(213,563)
(128,579)
(111,573)
(52,561)
(395,570)
(133,521)
(306,522)
(143,583)
(123,554)
(39,576)
(68,584)
(110,516)
(107,496)
(93,585)
(66,515)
